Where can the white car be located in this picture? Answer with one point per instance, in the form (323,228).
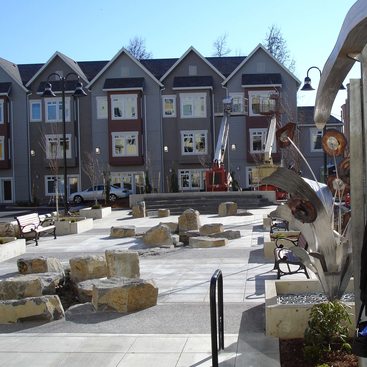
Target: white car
(98,192)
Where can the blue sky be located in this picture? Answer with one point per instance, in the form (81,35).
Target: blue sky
(97,30)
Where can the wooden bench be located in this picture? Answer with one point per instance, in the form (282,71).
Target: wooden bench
(31,226)
(284,256)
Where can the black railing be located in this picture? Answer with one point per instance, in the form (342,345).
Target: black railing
(217,333)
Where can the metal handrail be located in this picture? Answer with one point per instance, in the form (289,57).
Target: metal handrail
(217,278)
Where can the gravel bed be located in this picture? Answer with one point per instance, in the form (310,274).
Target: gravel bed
(309,298)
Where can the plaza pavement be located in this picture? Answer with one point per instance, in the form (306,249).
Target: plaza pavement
(174,333)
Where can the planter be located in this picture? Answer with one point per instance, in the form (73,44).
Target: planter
(11,247)
(95,213)
(289,321)
(73,225)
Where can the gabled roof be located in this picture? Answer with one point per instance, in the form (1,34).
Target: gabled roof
(305,115)
(191,49)
(226,64)
(260,47)
(71,63)
(13,71)
(136,61)
(158,67)
(192,82)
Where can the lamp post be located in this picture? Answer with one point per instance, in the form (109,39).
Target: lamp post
(78,92)
(306,88)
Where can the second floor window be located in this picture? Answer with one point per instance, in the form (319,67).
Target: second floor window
(35,110)
(169,106)
(316,140)
(124,107)
(125,144)
(257,140)
(1,111)
(54,109)
(260,102)
(193,105)
(194,142)
(55,146)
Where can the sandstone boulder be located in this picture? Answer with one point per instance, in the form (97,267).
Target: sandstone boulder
(124,294)
(8,229)
(159,235)
(20,287)
(226,209)
(229,234)
(122,232)
(138,210)
(173,226)
(189,220)
(204,242)
(88,267)
(122,263)
(207,229)
(184,237)
(39,264)
(44,308)
(164,213)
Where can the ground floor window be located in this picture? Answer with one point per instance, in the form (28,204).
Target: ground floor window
(250,183)
(191,179)
(53,183)
(133,181)
(6,190)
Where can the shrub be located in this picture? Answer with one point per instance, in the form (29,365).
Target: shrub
(327,329)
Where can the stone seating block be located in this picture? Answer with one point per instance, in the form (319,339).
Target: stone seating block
(122,264)
(122,232)
(20,287)
(43,308)
(39,264)
(138,210)
(158,236)
(229,234)
(205,242)
(227,208)
(87,267)
(184,237)
(208,229)
(124,294)
(173,226)
(164,213)
(8,229)
(189,220)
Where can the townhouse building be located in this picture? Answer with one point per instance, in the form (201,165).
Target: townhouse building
(150,121)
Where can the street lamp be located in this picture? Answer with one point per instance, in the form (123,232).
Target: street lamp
(306,88)
(78,92)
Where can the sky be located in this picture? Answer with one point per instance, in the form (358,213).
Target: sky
(97,29)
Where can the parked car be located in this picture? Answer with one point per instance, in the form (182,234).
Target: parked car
(98,192)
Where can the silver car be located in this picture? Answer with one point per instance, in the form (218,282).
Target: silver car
(98,192)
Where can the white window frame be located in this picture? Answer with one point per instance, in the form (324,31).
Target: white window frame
(193,105)
(169,106)
(2,148)
(57,102)
(126,105)
(238,104)
(58,139)
(189,174)
(125,136)
(32,103)
(2,111)
(263,97)
(60,182)
(102,107)
(195,134)
(254,133)
(248,177)
(314,134)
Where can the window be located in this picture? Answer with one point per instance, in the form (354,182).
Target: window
(124,106)
(54,109)
(249,177)
(122,179)
(50,185)
(169,106)
(35,111)
(260,101)
(316,140)
(101,103)
(238,103)
(193,105)
(194,142)
(55,146)
(125,144)
(191,179)
(1,111)
(2,148)
(257,140)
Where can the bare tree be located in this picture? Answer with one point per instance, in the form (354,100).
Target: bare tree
(277,46)
(220,46)
(92,170)
(138,49)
